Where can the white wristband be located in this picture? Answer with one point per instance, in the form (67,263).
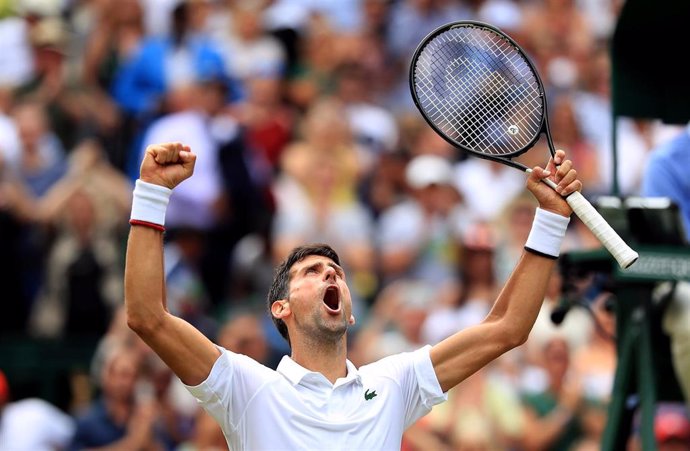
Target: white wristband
(150,202)
(548,231)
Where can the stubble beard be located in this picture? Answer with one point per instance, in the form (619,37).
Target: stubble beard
(325,330)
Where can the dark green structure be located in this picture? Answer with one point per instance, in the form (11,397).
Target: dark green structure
(649,81)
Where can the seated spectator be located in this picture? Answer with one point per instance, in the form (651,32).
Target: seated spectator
(395,321)
(416,236)
(121,415)
(483,413)
(477,289)
(552,414)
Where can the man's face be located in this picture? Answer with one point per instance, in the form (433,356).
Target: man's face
(319,299)
(120,376)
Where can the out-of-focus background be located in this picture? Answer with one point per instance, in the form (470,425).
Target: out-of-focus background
(305,130)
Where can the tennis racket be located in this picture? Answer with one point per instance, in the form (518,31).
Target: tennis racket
(478,90)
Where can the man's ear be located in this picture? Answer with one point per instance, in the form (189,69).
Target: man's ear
(352,320)
(280,309)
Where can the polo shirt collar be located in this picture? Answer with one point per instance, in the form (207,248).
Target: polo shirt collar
(295,372)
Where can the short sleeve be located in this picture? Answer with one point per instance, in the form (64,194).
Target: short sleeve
(232,382)
(430,389)
(414,374)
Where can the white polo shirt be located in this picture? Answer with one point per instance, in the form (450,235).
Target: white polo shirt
(297,409)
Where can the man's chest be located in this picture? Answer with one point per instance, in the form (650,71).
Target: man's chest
(358,415)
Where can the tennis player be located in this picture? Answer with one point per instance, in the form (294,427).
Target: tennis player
(317,399)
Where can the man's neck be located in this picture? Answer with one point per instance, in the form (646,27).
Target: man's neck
(327,360)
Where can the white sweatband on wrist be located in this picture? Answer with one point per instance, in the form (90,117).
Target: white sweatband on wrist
(149,203)
(546,236)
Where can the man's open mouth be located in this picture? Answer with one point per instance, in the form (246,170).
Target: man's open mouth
(332,298)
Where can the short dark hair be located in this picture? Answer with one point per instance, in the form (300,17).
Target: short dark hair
(281,280)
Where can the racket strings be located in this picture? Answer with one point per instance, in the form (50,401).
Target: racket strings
(478,90)
(481,117)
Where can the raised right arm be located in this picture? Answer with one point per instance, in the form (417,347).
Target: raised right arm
(188,353)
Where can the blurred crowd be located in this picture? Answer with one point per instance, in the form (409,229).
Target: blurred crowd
(305,131)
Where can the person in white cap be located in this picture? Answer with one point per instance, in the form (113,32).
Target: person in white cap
(416,237)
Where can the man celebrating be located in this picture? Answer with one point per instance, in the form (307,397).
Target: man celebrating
(317,399)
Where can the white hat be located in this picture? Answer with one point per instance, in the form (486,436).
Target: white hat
(426,170)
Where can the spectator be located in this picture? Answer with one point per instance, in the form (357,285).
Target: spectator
(487,200)
(184,56)
(83,280)
(194,107)
(664,177)
(671,428)
(120,415)
(482,414)
(42,159)
(10,145)
(418,18)
(512,229)
(248,49)
(313,74)
(568,134)
(395,321)
(477,287)
(317,199)
(50,84)
(112,42)
(267,120)
(31,424)
(595,362)
(674,323)
(552,414)
(416,236)
(374,128)
(558,318)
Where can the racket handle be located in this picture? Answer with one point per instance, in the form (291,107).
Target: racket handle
(623,254)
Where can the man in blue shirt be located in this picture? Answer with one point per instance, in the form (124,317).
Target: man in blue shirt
(666,174)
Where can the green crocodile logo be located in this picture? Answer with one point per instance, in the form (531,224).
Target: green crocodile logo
(369,396)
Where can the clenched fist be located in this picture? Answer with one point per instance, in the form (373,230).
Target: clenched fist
(561,172)
(167,164)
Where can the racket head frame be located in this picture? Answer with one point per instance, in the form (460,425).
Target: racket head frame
(544,127)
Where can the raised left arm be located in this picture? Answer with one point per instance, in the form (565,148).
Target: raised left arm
(512,316)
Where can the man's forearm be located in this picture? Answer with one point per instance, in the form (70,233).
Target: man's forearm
(519,302)
(144,279)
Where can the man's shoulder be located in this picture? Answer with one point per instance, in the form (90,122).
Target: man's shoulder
(673,149)
(384,365)
(242,362)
